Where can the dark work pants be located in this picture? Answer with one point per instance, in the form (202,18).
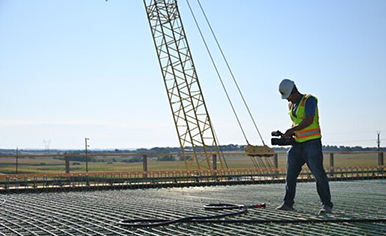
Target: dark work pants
(309,152)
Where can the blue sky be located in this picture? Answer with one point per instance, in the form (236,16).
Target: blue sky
(74,69)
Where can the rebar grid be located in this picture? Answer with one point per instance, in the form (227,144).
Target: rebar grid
(98,213)
(177,178)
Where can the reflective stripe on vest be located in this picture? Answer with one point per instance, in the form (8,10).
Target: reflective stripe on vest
(310,132)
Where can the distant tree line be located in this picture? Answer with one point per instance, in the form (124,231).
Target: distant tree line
(347,148)
(167,150)
(240,148)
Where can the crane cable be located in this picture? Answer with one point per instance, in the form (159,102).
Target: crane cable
(218,73)
(229,69)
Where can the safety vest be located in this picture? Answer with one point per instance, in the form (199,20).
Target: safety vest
(310,132)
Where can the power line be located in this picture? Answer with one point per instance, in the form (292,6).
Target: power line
(347,133)
(352,141)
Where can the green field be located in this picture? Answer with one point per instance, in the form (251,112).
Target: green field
(42,165)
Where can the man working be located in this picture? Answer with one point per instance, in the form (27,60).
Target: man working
(307,148)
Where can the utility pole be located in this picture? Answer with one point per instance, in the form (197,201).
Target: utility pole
(47,145)
(379,140)
(86,146)
(380,154)
(17,160)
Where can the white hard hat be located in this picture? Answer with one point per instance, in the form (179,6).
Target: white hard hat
(285,88)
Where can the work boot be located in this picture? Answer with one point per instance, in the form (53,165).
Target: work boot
(285,207)
(326,210)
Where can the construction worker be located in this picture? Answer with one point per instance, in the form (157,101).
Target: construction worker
(307,148)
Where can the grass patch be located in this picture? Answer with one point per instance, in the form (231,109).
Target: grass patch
(51,166)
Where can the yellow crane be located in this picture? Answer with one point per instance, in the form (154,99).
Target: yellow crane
(194,128)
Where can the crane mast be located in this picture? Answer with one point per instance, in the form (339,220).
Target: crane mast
(194,128)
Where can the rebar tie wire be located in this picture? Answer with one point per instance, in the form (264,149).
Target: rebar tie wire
(155,222)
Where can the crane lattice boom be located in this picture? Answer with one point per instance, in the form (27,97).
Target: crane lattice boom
(194,129)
